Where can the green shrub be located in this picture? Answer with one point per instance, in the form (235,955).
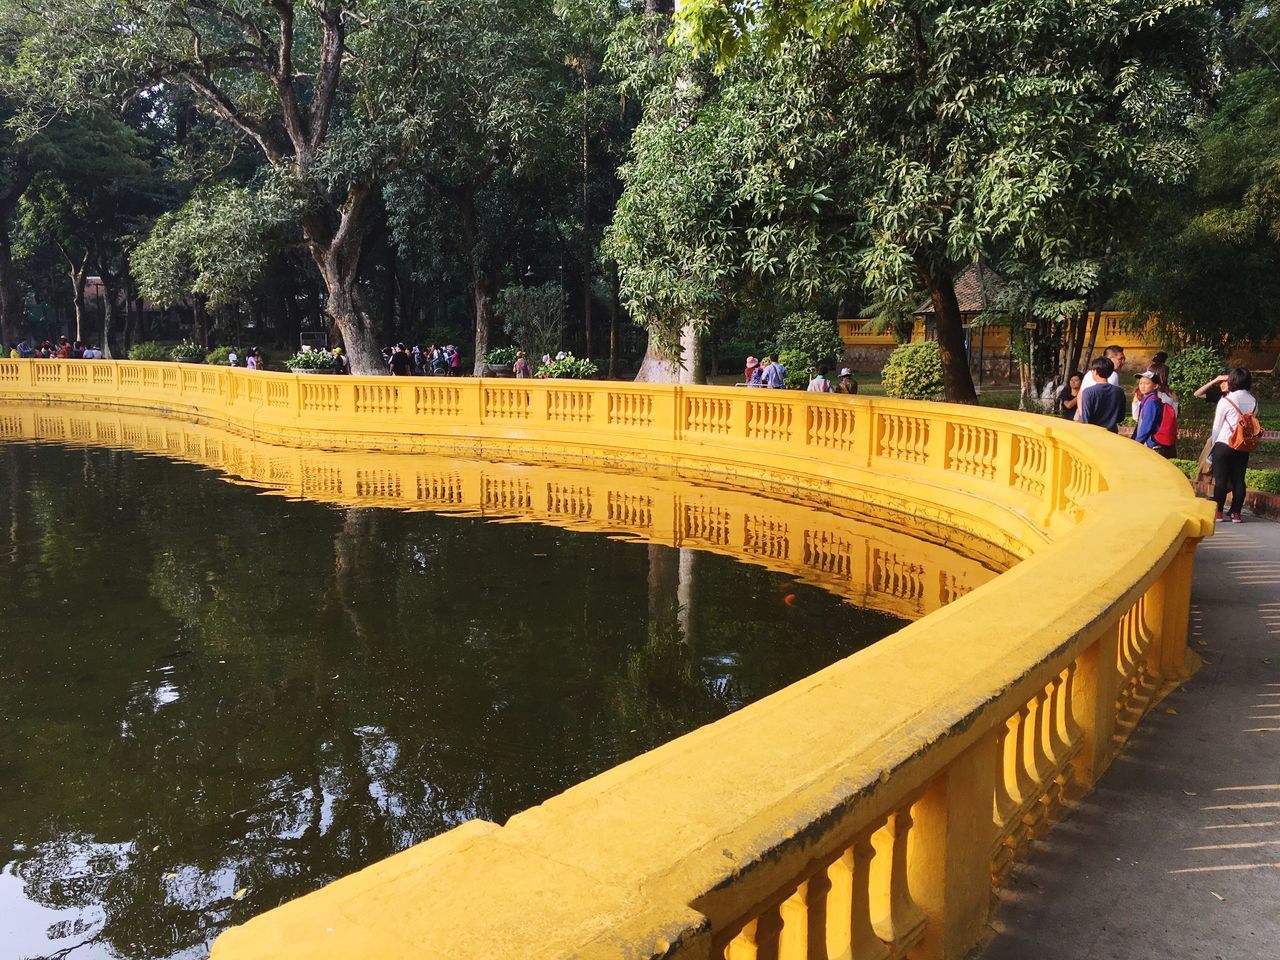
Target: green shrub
(188,351)
(501,356)
(221,356)
(914,372)
(149,350)
(1190,467)
(1266,481)
(311,360)
(798,372)
(809,339)
(567,367)
(1192,369)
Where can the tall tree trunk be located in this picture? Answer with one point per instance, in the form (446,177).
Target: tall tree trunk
(1093,334)
(586,215)
(394,324)
(108,302)
(349,313)
(201,317)
(613,322)
(76,273)
(689,367)
(336,254)
(1076,345)
(657,367)
(483,283)
(957,380)
(693,369)
(289,326)
(130,316)
(482,297)
(13,312)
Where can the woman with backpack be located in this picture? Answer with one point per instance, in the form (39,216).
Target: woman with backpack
(1236,431)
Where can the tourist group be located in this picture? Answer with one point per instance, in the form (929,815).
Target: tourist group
(1095,397)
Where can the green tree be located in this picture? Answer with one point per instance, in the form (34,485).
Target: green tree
(335,96)
(92,192)
(1208,266)
(971,127)
(737,197)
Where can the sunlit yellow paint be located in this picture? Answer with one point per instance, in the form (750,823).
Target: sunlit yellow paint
(880,794)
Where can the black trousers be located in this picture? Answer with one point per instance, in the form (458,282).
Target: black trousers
(1228,474)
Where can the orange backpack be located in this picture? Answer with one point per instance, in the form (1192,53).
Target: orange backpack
(1248,432)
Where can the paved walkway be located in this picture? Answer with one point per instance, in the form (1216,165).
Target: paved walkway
(1175,854)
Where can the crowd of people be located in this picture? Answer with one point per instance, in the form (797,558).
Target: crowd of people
(62,349)
(1095,397)
(438,360)
(770,374)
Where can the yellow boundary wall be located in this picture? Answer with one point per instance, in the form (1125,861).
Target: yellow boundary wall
(864,812)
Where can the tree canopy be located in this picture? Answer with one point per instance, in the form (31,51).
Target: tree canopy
(386,168)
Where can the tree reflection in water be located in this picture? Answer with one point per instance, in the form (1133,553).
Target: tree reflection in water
(206,691)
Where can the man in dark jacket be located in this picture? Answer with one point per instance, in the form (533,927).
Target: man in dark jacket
(1103,403)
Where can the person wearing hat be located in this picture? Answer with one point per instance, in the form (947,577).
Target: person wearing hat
(1152,431)
(751,376)
(340,362)
(847,384)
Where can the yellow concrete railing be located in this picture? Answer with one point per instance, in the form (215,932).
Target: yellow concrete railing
(855,334)
(864,812)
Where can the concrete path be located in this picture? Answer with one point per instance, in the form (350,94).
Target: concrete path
(1175,854)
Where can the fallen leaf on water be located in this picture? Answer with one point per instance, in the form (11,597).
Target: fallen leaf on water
(1170,711)
(155,848)
(170,876)
(1203,643)
(239,894)
(1189,793)
(1218,895)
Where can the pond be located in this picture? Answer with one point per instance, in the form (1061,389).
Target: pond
(214,701)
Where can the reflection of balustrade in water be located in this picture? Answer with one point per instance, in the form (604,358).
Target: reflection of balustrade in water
(864,812)
(751,528)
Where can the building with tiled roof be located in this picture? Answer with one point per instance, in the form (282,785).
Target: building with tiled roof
(977,287)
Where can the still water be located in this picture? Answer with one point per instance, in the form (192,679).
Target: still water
(213,701)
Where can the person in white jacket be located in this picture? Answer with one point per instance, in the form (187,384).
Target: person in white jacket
(1229,464)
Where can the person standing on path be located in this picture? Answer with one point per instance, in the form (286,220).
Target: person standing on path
(1113,353)
(775,374)
(1229,463)
(1103,403)
(819,383)
(1069,398)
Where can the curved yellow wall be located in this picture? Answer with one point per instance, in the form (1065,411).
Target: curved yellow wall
(863,812)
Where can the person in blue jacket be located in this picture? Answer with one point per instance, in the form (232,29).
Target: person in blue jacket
(1150,409)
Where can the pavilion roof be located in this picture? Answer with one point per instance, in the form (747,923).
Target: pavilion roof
(977,285)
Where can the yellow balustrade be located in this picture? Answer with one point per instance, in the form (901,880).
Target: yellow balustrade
(864,812)
(855,334)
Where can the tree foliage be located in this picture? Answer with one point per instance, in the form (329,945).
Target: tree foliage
(1208,265)
(898,153)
